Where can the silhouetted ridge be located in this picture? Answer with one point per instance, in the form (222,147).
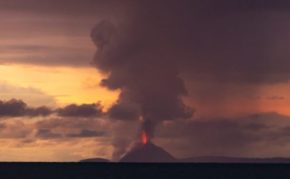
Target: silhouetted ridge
(222,159)
(100,160)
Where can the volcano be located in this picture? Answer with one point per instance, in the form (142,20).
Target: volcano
(147,153)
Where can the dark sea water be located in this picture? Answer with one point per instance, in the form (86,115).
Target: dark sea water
(142,170)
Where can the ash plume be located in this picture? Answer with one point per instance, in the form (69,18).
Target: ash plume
(149,82)
(158,47)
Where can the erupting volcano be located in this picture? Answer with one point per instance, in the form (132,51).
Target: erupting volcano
(146,151)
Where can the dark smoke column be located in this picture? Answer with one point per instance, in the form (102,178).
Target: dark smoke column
(139,66)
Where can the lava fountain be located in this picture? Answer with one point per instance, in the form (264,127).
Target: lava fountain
(144,137)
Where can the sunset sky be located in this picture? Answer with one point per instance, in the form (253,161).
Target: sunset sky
(228,62)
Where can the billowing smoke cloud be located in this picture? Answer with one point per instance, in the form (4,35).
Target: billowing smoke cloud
(160,45)
(149,81)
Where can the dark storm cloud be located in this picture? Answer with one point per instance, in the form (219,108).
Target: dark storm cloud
(227,41)
(220,133)
(147,55)
(228,136)
(159,45)
(18,108)
(83,110)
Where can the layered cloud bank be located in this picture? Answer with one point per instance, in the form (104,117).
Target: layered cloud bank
(257,135)
(18,108)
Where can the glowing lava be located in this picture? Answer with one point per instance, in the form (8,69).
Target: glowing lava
(144,137)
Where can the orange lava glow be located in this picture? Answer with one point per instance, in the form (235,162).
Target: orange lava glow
(144,137)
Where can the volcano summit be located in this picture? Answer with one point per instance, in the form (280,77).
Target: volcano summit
(148,153)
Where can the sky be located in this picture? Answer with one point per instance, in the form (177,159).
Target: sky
(206,77)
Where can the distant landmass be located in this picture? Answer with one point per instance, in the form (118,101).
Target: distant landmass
(207,159)
(222,159)
(99,160)
(150,153)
